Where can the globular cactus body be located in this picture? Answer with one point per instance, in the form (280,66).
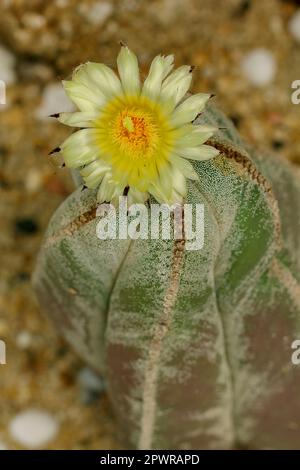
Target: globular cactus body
(195,346)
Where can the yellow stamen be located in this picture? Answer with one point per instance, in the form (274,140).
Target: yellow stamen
(128,124)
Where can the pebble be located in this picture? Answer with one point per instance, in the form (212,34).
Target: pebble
(26,226)
(33,20)
(91,386)
(98,12)
(33,181)
(88,379)
(54,100)
(33,428)
(259,67)
(294,26)
(7,66)
(24,339)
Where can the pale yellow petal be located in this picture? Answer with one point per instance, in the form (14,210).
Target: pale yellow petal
(128,68)
(196,136)
(79,149)
(202,152)
(98,76)
(159,69)
(189,109)
(86,99)
(79,119)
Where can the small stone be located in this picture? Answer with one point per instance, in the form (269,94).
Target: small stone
(26,226)
(7,66)
(98,12)
(294,26)
(36,71)
(88,379)
(33,428)
(277,144)
(167,11)
(91,386)
(33,20)
(33,181)
(24,339)
(259,67)
(54,100)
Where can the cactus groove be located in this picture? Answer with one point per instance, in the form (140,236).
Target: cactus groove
(152,364)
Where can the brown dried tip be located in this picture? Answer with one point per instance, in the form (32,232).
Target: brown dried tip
(122,44)
(212,96)
(57,149)
(55,115)
(192,67)
(83,187)
(125,192)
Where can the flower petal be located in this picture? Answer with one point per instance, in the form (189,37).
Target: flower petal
(108,189)
(79,119)
(176,85)
(196,136)
(189,109)
(94,172)
(179,185)
(79,149)
(200,153)
(135,196)
(185,167)
(159,69)
(98,76)
(158,194)
(128,70)
(165,180)
(86,99)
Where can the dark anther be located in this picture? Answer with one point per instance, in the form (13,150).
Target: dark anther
(55,115)
(125,192)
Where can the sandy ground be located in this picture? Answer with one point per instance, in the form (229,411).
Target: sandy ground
(47,39)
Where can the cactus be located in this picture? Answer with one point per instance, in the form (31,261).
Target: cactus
(195,346)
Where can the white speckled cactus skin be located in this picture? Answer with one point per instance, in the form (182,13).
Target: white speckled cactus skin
(195,346)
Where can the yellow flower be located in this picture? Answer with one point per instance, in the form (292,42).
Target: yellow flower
(136,139)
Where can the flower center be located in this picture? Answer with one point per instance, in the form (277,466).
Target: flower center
(135,138)
(135,132)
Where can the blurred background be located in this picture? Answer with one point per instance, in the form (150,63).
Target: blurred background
(247,52)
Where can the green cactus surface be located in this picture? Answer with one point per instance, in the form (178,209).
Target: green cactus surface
(195,346)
